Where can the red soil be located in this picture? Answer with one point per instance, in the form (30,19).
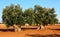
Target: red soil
(30,32)
(23,33)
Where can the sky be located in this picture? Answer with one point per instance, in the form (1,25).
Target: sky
(30,4)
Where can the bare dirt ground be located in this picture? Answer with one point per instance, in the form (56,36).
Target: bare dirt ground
(28,33)
(48,32)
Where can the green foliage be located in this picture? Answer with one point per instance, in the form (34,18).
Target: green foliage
(29,16)
(45,16)
(13,14)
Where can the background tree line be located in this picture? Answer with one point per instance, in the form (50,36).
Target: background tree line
(38,15)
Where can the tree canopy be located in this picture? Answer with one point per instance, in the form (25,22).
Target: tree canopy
(14,14)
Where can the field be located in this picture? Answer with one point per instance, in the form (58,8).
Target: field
(28,33)
(34,33)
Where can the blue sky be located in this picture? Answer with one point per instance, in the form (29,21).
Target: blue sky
(30,3)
